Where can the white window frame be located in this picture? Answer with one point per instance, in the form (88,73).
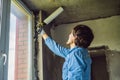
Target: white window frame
(20,4)
(4,33)
(4,37)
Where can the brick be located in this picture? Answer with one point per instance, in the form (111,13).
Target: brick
(23,30)
(20,43)
(23,66)
(22,79)
(25,42)
(21,50)
(24,47)
(25,34)
(23,56)
(22,38)
(22,70)
(25,51)
(24,76)
(22,61)
(20,35)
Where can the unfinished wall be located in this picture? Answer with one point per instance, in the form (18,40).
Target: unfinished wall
(76,10)
(46,60)
(106,31)
(113,58)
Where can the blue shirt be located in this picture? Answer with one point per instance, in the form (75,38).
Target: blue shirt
(77,65)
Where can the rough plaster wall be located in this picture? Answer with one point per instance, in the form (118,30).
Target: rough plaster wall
(113,58)
(47,68)
(76,10)
(106,31)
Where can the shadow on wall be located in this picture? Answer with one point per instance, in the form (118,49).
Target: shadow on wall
(105,63)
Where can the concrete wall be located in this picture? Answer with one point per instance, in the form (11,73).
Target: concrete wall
(46,60)
(106,31)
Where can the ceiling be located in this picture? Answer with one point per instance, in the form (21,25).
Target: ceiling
(76,10)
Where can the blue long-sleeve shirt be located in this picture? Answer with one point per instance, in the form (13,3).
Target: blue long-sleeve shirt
(77,65)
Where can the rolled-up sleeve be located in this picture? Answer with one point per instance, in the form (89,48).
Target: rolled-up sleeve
(56,48)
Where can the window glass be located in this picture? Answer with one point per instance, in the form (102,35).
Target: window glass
(18,44)
(0,15)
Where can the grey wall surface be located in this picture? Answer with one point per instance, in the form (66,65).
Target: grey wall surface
(106,31)
(113,60)
(76,10)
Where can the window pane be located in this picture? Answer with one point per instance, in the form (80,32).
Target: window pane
(0,15)
(18,44)
(1,58)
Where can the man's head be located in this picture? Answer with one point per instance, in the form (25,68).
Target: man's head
(81,36)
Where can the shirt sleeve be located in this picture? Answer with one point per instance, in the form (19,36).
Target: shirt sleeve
(56,48)
(76,66)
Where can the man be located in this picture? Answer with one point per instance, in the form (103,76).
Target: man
(77,65)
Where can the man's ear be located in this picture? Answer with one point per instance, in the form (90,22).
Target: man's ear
(75,37)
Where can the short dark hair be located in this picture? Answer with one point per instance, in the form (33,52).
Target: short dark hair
(84,35)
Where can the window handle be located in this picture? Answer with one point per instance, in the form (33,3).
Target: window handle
(5,57)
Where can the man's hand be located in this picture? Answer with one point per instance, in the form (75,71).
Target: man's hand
(40,30)
(39,27)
